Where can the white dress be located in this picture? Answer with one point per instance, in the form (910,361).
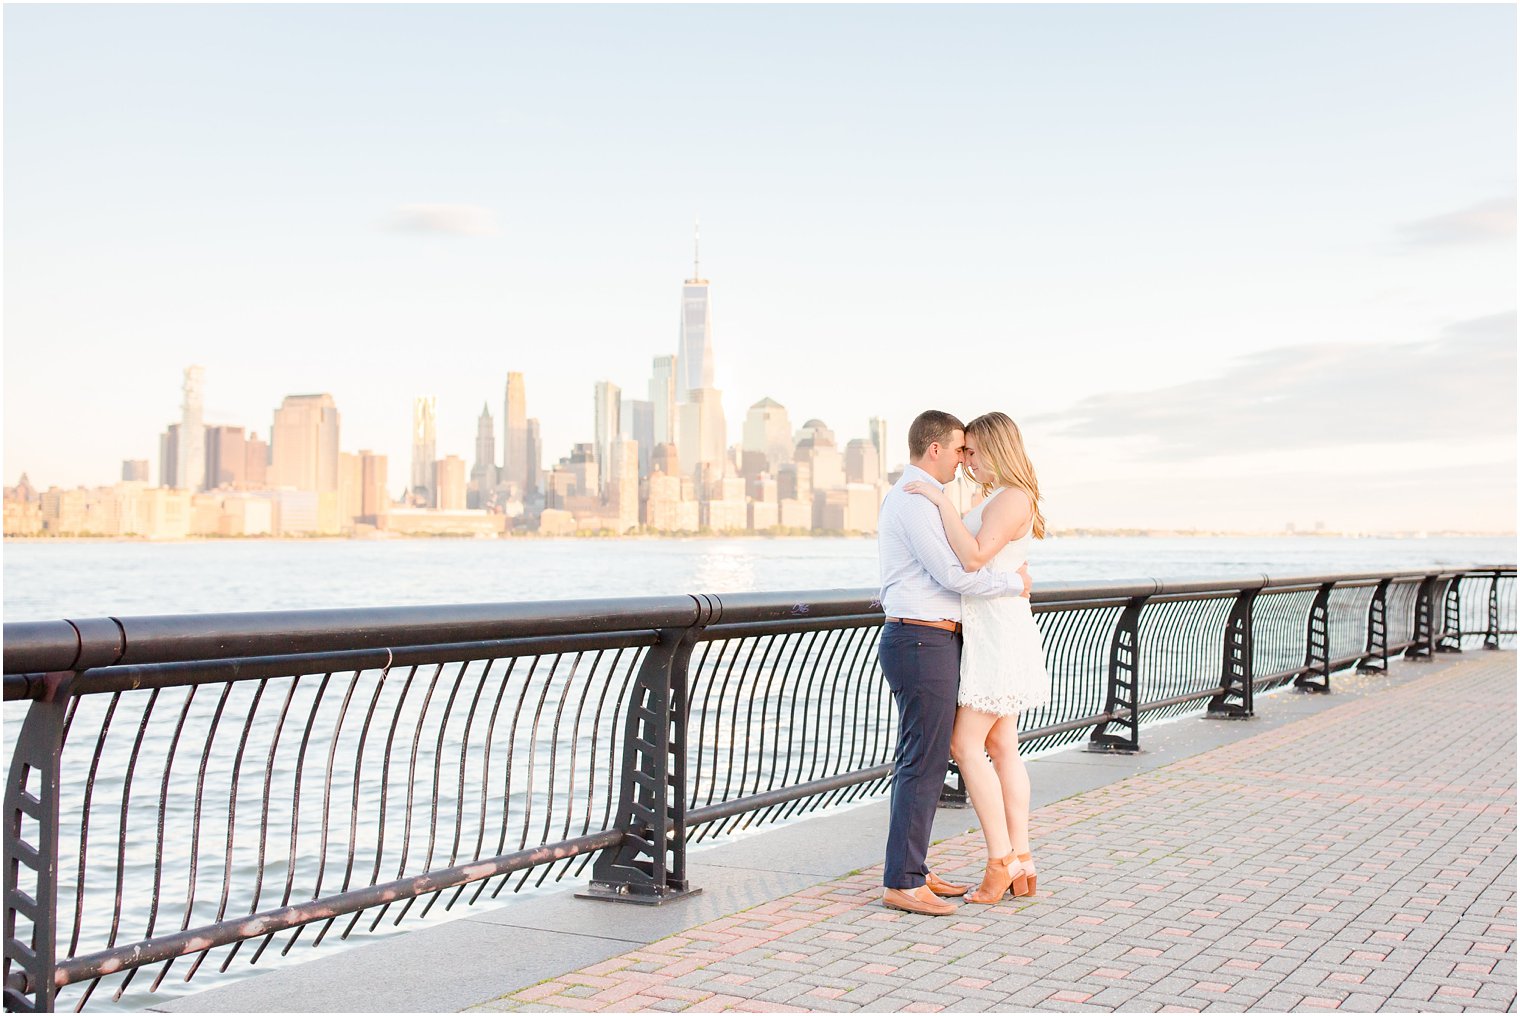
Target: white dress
(1002,659)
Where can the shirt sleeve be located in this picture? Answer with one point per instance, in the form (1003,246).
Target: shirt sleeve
(925,531)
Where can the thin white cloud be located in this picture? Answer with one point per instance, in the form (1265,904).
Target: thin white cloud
(1457,388)
(1483,222)
(452,220)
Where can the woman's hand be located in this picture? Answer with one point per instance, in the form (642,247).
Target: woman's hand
(928,490)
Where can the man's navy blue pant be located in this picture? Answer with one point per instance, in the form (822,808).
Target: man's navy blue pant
(922,666)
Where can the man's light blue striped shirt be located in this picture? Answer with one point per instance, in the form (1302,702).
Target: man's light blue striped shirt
(920,575)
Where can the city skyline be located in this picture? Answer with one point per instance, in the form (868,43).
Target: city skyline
(223,481)
(1313,268)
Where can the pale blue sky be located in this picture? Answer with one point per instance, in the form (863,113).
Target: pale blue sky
(1073,214)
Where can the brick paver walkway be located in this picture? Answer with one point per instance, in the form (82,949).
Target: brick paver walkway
(1362,859)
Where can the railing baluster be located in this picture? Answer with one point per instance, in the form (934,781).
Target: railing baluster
(295,805)
(506,788)
(327,785)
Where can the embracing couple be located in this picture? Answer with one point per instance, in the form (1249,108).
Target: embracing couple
(960,651)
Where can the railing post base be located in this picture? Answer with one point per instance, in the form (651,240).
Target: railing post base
(1237,679)
(31,847)
(1123,706)
(649,865)
(1424,648)
(1377,633)
(953,794)
(1491,634)
(626,892)
(1316,674)
(1451,625)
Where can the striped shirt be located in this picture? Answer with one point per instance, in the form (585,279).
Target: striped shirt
(920,575)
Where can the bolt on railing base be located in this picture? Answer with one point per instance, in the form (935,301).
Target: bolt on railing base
(622,892)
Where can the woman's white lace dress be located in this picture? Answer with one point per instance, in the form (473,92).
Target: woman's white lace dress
(1002,660)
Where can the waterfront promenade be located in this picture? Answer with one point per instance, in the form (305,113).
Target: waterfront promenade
(1352,851)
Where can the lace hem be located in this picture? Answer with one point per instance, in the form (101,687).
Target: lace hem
(1001,705)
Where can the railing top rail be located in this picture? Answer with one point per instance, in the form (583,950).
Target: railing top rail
(63,645)
(41,646)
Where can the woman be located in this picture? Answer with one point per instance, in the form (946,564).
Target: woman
(1002,662)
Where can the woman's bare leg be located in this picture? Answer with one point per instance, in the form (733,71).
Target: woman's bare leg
(1013,779)
(968,747)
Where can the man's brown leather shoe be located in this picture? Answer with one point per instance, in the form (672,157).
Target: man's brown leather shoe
(940,887)
(917,901)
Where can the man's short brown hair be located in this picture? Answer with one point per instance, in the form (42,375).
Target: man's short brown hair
(928,427)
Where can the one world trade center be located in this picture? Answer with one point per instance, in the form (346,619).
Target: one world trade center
(694,357)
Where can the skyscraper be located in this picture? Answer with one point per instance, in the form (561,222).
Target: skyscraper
(134,470)
(767,437)
(534,467)
(226,457)
(190,469)
(483,475)
(350,489)
(584,468)
(878,432)
(515,454)
(694,356)
(861,463)
(818,451)
(304,444)
(702,435)
(449,483)
(608,427)
(638,424)
(662,399)
(373,500)
(424,447)
(666,460)
(168,457)
(622,483)
(255,463)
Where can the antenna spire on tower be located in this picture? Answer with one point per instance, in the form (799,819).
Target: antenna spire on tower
(696,248)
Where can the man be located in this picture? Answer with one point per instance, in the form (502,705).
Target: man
(920,652)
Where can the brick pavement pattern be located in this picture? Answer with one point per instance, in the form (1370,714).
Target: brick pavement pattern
(1362,859)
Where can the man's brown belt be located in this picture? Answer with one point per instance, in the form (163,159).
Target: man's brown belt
(946,625)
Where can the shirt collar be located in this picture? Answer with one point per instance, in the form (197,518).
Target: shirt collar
(912,472)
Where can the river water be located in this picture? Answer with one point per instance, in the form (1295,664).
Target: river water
(46,579)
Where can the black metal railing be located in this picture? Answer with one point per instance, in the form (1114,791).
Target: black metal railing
(206,787)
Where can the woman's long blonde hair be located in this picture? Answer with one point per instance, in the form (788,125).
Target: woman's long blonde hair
(1000,451)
